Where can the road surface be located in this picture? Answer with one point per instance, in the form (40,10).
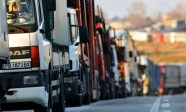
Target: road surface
(175,103)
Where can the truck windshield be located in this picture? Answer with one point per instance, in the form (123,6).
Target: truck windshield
(21,17)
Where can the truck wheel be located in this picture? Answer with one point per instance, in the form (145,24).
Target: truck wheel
(60,105)
(102,90)
(112,89)
(78,101)
(107,89)
(86,99)
(40,108)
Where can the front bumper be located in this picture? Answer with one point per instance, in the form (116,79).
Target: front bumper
(73,85)
(18,92)
(37,95)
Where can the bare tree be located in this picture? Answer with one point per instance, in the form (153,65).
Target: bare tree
(137,13)
(178,12)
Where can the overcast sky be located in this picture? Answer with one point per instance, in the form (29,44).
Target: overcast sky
(119,7)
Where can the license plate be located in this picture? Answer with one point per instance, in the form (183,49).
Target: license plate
(17,65)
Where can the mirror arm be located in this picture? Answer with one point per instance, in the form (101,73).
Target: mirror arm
(43,31)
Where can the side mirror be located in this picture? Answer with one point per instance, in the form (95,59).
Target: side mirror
(51,5)
(71,3)
(130,54)
(83,34)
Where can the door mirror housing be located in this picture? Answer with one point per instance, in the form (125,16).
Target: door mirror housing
(51,5)
(83,34)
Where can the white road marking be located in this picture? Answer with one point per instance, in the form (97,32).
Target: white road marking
(166,100)
(155,106)
(166,111)
(164,105)
(166,97)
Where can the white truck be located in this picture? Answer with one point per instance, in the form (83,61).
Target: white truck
(39,54)
(4,48)
(76,81)
(114,69)
(130,59)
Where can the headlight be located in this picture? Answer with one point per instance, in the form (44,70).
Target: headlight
(28,80)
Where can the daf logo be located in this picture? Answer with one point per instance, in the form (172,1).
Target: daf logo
(19,53)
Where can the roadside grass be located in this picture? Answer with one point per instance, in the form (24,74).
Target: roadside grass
(163,52)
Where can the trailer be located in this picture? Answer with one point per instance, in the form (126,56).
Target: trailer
(155,74)
(175,77)
(172,78)
(182,75)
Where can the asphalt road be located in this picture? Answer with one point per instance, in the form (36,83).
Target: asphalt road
(176,103)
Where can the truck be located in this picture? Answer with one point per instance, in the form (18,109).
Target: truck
(107,57)
(128,62)
(175,81)
(154,72)
(39,41)
(89,76)
(115,73)
(4,45)
(87,18)
(77,81)
(182,76)
(4,48)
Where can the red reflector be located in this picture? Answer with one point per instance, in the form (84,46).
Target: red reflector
(35,56)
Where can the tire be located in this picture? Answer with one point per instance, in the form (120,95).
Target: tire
(116,92)
(112,89)
(60,105)
(107,89)
(78,101)
(86,99)
(40,108)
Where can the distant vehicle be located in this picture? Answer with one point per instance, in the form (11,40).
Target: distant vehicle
(183,76)
(175,78)
(114,67)
(154,72)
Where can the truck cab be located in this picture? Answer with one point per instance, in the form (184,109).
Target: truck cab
(73,83)
(114,66)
